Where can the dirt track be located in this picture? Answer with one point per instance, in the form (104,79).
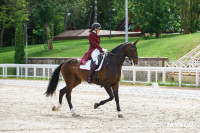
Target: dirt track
(26,109)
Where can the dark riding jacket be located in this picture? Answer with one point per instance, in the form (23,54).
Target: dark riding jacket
(94,44)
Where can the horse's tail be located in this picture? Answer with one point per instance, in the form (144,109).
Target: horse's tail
(54,81)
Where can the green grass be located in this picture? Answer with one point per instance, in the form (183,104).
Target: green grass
(171,46)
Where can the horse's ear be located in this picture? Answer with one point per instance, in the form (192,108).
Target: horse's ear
(135,42)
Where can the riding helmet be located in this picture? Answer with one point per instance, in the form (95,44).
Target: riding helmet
(95,25)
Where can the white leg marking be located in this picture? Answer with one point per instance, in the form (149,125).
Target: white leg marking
(119,112)
(73,111)
(56,108)
(59,106)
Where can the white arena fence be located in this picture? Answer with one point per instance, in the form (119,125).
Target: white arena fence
(44,71)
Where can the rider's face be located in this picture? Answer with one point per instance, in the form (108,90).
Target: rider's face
(97,30)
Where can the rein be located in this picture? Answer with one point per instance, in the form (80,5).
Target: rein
(130,59)
(107,58)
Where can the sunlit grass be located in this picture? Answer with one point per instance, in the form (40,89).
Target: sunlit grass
(171,46)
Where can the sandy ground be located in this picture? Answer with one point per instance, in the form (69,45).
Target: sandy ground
(25,109)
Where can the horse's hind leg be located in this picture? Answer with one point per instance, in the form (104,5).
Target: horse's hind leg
(111,96)
(68,95)
(62,92)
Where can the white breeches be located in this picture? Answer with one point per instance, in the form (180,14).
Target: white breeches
(94,56)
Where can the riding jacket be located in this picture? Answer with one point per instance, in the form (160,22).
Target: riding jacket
(94,46)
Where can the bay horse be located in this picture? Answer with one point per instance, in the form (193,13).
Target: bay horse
(109,76)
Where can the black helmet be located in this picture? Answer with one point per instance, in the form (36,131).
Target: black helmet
(95,25)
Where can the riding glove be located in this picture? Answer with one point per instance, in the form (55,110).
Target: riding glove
(104,50)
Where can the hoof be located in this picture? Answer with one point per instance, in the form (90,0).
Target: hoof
(54,108)
(95,105)
(75,115)
(120,116)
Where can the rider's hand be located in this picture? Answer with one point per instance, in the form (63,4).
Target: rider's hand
(105,50)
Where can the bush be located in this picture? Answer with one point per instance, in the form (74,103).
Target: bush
(19,45)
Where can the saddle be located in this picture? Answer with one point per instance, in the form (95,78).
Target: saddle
(90,62)
(103,60)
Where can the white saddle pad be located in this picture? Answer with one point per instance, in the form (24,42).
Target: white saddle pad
(86,66)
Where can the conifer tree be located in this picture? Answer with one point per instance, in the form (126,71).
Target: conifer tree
(19,45)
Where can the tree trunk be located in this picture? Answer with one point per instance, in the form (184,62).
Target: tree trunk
(2,32)
(65,21)
(190,18)
(157,34)
(50,46)
(89,20)
(197,11)
(185,21)
(181,14)
(95,11)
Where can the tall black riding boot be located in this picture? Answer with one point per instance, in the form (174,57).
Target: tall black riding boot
(89,79)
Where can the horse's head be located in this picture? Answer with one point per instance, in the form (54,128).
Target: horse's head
(131,52)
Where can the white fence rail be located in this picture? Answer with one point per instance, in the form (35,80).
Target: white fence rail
(26,70)
(163,71)
(45,70)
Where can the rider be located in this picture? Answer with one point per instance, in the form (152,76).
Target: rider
(94,49)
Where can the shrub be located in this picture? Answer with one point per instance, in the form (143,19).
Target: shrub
(19,45)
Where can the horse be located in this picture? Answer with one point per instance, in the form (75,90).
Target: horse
(108,77)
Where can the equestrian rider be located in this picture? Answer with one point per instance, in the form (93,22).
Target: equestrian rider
(94,49)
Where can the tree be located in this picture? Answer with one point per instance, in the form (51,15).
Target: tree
(3,16)
(189,12)
(19,45)
(44,11)
(150,15)
(11,12)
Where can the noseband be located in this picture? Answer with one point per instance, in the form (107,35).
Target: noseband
(131,50)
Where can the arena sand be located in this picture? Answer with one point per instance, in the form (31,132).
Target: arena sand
(26,109)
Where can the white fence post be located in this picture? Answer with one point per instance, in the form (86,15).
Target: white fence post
(164,77)
(17,72)
(179,78)
(34,72)
(6,71)
(48,73)
(43,69)
(21,72)
(134,75)
(197,78)
(26,72)
(156,76)
(149,76)
(3,72)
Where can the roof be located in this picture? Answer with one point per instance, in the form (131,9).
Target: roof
(80,34)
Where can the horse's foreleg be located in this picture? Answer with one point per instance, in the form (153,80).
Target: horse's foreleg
(62,92)
(115,91)
(111,96)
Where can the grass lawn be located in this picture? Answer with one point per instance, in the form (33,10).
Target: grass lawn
(171,46)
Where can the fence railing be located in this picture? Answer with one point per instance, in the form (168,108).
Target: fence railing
(185,64)
(153,74)
(163,71)
(26,70)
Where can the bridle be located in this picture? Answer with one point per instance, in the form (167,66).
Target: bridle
(131,50)
(131,59)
